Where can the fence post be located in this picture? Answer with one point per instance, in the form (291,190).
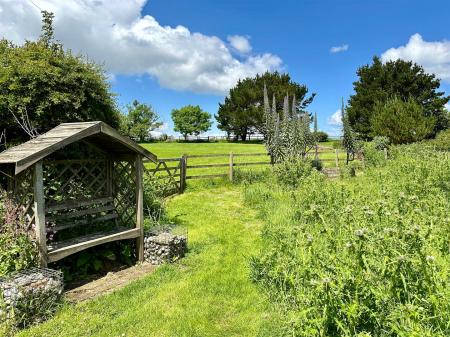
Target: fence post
(183,164)
(385,153)
(316,155)
(230,173)
(337,157)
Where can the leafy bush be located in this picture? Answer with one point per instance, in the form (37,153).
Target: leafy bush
(320,136)
(381,142)
(241,176)
(372,156)
(402,121)
(317,164)
(290,173)
(442,141)
(361,257)
(18,249)
(155,190)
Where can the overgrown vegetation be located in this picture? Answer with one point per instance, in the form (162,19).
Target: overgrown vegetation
(43,85)
(367,256)
(18,249)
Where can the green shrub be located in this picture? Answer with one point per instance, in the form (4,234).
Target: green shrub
(155,191)
(291,172)
(242,176)
(372,156)
(320,136)
(381,142)
(366,257)
(317,164)
(18,249)
(442,141)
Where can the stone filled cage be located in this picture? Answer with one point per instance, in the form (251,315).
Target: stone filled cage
(78,185)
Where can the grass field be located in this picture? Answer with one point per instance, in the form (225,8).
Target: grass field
(171,150)
(208,293)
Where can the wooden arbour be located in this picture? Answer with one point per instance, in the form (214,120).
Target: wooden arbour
(79,185)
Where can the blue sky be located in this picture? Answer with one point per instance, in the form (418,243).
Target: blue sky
(156,50)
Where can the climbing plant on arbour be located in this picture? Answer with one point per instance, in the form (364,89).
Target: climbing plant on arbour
(287,134)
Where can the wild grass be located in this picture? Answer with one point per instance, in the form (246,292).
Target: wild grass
(365,256)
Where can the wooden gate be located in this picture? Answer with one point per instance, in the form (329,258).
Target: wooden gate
(171,172)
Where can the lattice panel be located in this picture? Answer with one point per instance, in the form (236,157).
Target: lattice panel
(23,196)
(75,180)
(168,174)
(124,191)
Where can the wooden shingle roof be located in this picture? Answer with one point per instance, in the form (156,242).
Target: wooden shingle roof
(99,133)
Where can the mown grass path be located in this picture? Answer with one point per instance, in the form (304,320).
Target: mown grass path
(208,293)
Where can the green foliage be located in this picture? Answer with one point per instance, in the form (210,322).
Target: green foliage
(317,164)
(401,121)
(191,120)
(155,190)
(379,82)
(48,85)
(381,142)
(291,173)
(18,249)
(362,257)
(243,111)
(139,121)
(349,138)
(320,136)
(442,141)
(373,155)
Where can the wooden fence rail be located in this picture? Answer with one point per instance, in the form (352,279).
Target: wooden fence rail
(174,171)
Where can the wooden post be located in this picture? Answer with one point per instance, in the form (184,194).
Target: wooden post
(183,163)
(39,213)
(139,206)
(316,156)
(230,172)
(385,153)
(337,157)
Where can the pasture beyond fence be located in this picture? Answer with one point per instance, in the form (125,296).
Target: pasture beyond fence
(176,171)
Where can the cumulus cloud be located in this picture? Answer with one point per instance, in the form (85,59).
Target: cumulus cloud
(158,132)
(433,56)
(335,119)
(338,49)
(115,33)
(240,43)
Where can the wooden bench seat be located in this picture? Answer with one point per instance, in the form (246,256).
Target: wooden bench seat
(61,249)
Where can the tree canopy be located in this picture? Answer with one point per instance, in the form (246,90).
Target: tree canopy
(380,81)
(191,120)
(242,111)
(139,121)
(402,121)
(43,85)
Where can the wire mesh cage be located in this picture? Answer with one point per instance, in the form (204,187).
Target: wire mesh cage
(165,244)
(30,296)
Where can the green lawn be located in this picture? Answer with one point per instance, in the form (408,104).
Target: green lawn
(171,150)
(208,293)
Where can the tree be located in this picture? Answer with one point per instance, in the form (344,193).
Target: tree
(316,127)
(242,111)
(191,120)
(349,137)
(42,85)
(402,121)
(379,82)
(139,121)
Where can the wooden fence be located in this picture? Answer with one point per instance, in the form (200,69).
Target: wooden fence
(176,171)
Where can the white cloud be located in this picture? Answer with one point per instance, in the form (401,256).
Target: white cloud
(447,106)
(240,43)
(433,56)
(335,119)
(338,49)
(115,33)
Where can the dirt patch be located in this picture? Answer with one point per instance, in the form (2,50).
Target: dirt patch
(107,284)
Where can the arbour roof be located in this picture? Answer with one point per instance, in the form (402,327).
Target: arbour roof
(98,133)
